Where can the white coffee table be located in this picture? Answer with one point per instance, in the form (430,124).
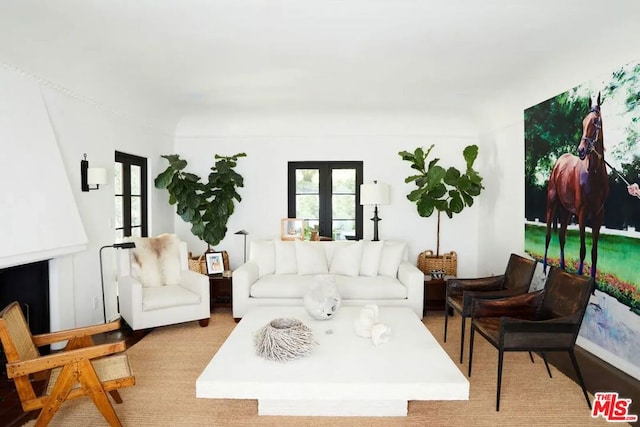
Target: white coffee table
(346,375)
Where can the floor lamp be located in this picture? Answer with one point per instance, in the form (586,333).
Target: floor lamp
(243,233)
(125,245)
(374,194)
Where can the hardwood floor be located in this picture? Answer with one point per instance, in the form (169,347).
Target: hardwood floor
(11,413)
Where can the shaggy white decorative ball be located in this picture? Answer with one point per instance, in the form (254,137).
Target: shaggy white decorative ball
(322,301)
(282,340)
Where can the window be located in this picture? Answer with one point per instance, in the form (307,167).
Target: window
(130,180)
(327,196)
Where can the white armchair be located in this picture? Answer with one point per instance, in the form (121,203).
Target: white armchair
(156,287)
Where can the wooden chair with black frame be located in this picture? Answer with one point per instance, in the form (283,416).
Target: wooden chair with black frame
(82,369)
(460,292)
(542,321)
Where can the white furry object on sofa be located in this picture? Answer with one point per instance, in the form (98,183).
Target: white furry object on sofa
(156,260)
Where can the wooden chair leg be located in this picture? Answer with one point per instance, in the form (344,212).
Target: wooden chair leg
(58,395)
(91,383)
(115,396)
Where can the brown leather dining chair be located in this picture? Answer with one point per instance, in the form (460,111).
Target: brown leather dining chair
(542,321)
(461,292)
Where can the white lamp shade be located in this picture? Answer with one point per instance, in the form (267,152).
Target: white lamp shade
(374,194)
(96,176)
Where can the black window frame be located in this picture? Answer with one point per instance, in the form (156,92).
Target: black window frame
(128,160)
(325,191)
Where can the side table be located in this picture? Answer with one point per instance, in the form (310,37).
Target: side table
(435,291)
(220,291)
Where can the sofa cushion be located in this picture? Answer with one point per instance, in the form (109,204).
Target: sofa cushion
(371,255)
(154,298)
(310,258)
(263,253)
(379,287)
(346,259)
(282,286)
(285,257)
(392,253)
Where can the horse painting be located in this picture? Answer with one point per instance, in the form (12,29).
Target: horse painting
(579,186)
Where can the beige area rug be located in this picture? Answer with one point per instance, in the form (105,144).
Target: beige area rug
(168,361)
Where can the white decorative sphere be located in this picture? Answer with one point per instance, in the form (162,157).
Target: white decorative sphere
(322,301)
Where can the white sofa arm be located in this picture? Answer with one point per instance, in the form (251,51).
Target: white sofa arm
(130,298)
(195,282)
(243,277)
(411,277)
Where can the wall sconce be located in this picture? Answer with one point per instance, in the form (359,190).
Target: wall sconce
(91,176)
(374,194)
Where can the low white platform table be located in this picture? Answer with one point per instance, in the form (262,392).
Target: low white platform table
(346,375)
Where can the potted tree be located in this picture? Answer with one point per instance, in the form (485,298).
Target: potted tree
(439,189)
(206,205)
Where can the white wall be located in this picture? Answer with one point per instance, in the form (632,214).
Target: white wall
(82,127)
(272,140)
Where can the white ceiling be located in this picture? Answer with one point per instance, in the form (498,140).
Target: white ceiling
(163,59)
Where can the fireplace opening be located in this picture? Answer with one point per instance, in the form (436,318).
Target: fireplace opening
(29,285)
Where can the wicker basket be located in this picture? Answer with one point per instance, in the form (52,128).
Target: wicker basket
(448,262)
(199,264)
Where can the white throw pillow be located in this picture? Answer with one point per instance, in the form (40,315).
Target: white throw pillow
(155,261)
(346,259)
(285,257)
(310,258)
(263,253)
(371,256)
(392,253)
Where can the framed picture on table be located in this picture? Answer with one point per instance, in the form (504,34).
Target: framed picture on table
(214,262)
(292,229)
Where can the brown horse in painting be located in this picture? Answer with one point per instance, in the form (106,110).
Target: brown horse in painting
(579,186)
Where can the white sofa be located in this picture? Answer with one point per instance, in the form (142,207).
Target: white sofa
(281,272)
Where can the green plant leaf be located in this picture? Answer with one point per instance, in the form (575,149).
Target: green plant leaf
(164,179)
(470,153)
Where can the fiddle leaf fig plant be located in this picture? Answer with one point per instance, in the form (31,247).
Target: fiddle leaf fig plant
(206,205)
(442,190)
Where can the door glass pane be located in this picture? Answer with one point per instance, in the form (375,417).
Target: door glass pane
(119,220)
(307,181)
(136,211)
(117,178)
(343,229)
(344,207)
(136,232)
(119,236)
(308,206)
(135,180)
(343,181)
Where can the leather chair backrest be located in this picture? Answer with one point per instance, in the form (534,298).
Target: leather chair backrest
(519,273)
(566,294)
